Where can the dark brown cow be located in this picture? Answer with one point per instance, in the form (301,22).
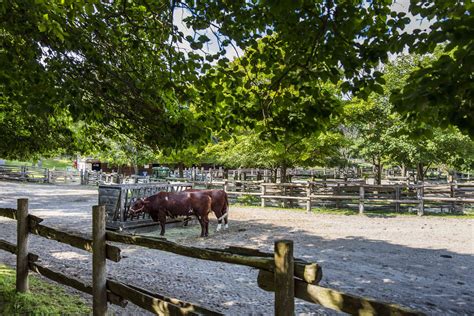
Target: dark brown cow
(219,205)
(175,204)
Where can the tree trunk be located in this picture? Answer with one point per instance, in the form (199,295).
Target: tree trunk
(420,173)
(283,176)
(180,170)
(378,176)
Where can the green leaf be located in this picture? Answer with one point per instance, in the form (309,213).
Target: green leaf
(42,27)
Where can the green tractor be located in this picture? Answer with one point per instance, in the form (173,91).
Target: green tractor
(161,172)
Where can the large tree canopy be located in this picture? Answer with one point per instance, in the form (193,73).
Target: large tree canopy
(128,67)
(442,92)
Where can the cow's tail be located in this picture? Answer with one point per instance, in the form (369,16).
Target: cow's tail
(225,214)
(226,211)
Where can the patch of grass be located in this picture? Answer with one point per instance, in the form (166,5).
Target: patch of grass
(270,208)
(388,213)
(248,199)
(343,211)
(43,299)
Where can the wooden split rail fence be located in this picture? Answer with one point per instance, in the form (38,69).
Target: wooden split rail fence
(453,196)
(280,272)
(39,175)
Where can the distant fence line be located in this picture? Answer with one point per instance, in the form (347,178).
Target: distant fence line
(39,175)
(279,272)
(452,196)
(88,177)
(334,193)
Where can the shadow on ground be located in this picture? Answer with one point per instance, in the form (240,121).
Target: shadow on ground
(436,281)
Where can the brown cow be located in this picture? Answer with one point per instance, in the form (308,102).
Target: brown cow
(220,205)
(175,204)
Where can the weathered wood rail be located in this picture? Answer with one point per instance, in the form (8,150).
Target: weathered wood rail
(39,175)
(23,173)
(280,272)
(452,196)
(103,289)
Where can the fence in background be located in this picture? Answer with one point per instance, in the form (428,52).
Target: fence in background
(88,177)
(39,175)
(279,272)
(451,197)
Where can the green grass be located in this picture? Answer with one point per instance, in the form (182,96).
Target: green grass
(321,210)
(57,163)
(43,299)
(388,213)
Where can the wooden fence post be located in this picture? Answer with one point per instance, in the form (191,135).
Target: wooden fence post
(226,186)
(22,246)
(264,192)
(336,190)
(284,283)
(99,273)
(452,194)
(265,175)
(308,196)
(397,197)
(86,177)
(361,199)
(47,177)
(419,195)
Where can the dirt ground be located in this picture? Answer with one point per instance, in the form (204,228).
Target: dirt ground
(423,263)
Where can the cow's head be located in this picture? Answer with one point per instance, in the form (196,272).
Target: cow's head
(138,207)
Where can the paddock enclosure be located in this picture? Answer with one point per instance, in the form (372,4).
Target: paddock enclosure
(424,263)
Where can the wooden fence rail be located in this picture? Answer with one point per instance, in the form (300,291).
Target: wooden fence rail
(309,272)
(455,195)
(109,290)
(39,175)
(289,277)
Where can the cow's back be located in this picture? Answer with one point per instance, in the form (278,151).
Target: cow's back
(219,201)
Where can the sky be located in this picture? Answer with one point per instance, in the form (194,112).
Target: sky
(212,46)
(416,21)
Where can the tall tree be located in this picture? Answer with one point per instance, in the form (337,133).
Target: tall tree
(377,129)
(130,68)
(442,91)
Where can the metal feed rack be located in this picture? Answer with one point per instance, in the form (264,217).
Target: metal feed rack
(118,198)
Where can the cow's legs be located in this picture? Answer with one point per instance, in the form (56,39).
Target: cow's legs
(226,220)
(224,216)
(205,220)
(162,220)
(162,229)
(201,222)
(219,220)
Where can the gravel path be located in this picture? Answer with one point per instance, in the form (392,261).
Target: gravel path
(423,263)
